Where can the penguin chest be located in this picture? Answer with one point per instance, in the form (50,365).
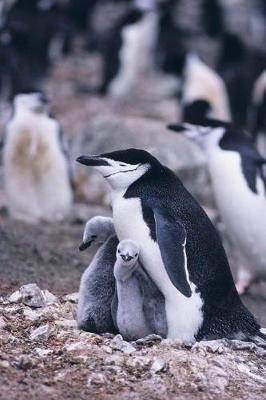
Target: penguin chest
(184,315)
(242,211)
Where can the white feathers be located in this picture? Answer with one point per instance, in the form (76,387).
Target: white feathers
(184,315)
(35,169)
(242,211)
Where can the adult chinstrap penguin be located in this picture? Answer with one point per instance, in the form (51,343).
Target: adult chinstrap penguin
(179,246)
(97,285)
(239,184)
(36,168)
(138,307)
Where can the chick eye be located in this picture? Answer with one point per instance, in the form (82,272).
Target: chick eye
(119,251)
(136,254)
(93,236)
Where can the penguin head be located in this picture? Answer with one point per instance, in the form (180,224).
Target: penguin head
(35,102)
(207,135)
(121,168)
(127,252)
(97,230)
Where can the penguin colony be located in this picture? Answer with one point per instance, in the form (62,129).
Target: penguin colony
(159,258)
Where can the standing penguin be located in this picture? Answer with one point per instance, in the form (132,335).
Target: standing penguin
(128,50)
(179,246)
(97,285)
(240,192)
(138,307)
(203,92)
(36,170)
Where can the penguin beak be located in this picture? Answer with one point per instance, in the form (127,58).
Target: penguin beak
(92,161)
(84,245)
(126,257)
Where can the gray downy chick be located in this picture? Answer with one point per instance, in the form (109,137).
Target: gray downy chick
(138,307)
(97,285)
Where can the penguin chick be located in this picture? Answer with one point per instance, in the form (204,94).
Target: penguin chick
(236,170)
(97,285)
(138,306)
(36,170)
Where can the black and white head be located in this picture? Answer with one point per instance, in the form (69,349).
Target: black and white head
(97,231)
(121,168)
(127,253)
(207,136)
(34,102)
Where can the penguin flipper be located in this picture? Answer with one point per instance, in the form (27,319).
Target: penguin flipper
(171,238)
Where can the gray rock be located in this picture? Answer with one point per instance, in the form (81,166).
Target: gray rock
(149,340)
(31,295)
(25,362)
(4,364)
(42,352)
(2,323)
(211,346)
(72,297)
(40,333)
(158,366)
(108,133)
(67,323)
(117,343)
(49,297)
(96,379)
(139,362)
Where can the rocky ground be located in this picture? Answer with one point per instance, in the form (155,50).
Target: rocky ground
(43,355)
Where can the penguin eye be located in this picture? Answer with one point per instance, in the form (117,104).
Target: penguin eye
(93,236)
(136,254)
(122,165)
(119,251)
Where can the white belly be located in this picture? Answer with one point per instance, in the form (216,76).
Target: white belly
(184,315)
(242,211)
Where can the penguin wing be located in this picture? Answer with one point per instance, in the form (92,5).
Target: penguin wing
(171,238)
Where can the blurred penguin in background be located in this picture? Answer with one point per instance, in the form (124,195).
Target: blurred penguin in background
(203,93)
(32,37)
(36,169)
(129,48)
(257,113)
(239,184)
(239,65)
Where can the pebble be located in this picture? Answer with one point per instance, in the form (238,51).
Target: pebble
(149,340)
(2,323)
(41,333)
(42,352)
(158,366)
(72,297)
(96,379)
(117,343)
(31,295)
(67,323)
